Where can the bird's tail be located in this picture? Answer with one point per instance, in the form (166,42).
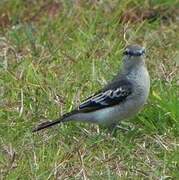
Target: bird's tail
(44,125)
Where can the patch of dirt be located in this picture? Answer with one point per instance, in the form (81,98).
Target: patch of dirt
(31,12)
(52,9)
(137,15)
(4,20)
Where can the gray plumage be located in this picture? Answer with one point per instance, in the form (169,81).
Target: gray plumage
(120,99)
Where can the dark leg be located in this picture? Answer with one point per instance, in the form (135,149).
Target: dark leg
(114,127)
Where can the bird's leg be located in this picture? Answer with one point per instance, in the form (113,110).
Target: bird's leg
(114,127)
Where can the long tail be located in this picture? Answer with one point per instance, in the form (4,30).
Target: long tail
(48,124)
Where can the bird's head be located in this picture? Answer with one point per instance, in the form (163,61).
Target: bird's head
(134,55)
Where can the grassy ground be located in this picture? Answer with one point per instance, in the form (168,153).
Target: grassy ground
(54,54)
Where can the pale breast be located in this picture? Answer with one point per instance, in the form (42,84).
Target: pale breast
(141,81)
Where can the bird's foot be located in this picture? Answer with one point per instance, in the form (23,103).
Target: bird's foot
(122,126)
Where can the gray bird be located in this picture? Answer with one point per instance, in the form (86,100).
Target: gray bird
(120,99)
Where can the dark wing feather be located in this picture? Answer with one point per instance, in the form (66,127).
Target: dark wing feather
(113,94)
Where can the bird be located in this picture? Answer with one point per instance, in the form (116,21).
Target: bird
(118,100)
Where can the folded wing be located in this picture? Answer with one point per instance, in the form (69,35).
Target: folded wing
(113,94)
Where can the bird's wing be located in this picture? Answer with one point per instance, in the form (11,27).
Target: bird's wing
(113,94)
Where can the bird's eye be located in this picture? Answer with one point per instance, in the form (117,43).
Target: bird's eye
(131,52)
(126,52)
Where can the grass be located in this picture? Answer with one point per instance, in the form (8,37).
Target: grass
(54,54)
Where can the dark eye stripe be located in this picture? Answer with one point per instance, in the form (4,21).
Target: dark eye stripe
(134,53)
